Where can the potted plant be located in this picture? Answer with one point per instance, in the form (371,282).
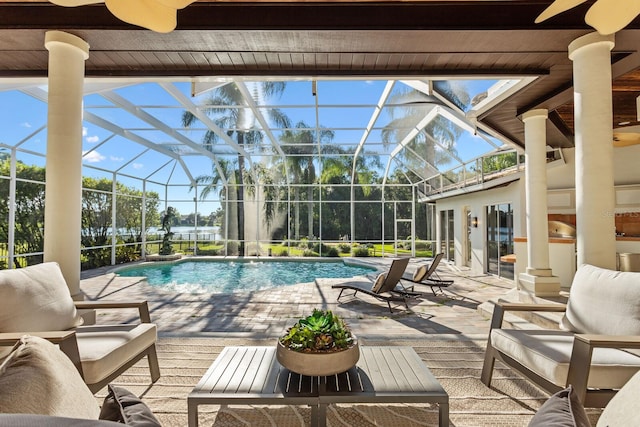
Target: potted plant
(318,345)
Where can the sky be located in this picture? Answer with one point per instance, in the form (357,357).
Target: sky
(346,107)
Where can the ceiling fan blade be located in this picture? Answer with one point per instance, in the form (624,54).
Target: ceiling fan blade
(151,14)
(557,7)
(176,4)
(610,16)
(625,136)
(73,3)
(156,15)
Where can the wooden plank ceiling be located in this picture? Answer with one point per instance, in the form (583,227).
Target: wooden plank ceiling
(378,39)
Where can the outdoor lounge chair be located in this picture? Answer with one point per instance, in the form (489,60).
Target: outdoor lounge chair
(596,349)
(35,300)
(427,276)
(384,287)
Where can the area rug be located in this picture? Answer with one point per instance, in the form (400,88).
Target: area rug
(456,363)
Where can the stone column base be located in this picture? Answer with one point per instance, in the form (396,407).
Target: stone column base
(540,286)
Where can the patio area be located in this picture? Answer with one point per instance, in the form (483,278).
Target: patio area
(447,331)
(266,314)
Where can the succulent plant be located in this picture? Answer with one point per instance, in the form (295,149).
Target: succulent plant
(322,331)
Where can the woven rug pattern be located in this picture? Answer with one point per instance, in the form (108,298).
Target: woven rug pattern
(511,401)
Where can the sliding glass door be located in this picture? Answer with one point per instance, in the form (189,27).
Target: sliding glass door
(499,220)
(447,241)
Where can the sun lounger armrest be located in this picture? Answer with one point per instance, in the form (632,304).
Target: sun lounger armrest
(583,346)
(66,340)
(501,307)
(142,306)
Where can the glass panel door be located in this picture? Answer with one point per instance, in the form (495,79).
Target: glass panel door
(493,256)
(447,241)
(506,239)
(499,239)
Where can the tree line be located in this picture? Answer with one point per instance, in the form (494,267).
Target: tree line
(97,205)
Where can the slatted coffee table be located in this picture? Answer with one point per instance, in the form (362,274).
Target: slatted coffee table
(252,375)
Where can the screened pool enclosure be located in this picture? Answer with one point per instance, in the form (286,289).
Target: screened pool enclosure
(300,167)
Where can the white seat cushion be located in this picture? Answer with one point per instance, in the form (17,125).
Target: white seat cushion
(102,348)
(548,352)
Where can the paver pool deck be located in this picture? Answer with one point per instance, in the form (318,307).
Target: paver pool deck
(267,313)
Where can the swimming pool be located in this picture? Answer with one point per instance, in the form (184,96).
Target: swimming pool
(224,276)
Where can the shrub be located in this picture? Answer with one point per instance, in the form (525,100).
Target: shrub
(321,248)
(208,252)
(345,248)
(309,252)
(422,245)
(332,252)
(282,252)
(126,254)
(361,251)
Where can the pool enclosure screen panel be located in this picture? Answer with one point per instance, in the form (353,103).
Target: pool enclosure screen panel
(499,239)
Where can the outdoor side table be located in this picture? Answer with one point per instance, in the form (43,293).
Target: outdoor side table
(252,375)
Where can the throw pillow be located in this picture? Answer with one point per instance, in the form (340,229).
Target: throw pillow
(38,378)
(563,409)
(36,298)
(379,282)
(125,407)
(420,273)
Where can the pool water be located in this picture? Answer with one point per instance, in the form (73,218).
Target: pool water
(239,276)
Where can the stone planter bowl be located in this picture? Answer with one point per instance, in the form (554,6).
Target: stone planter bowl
(318,364)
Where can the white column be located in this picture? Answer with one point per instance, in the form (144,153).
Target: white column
(595,192)
(535,136)
(538,277)
(63,200)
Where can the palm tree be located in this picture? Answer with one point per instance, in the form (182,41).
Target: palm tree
(412,106)
(338,171)
(301,151)
(266,180)
(210,183)
(230,111)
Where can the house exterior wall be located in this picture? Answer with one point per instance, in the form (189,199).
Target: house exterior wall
(477,203)
(561,200)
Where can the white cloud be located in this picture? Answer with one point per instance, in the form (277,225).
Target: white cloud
(137,165)
(25,124)
(116,159)
(93,157)
(84,131)
(92,139)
